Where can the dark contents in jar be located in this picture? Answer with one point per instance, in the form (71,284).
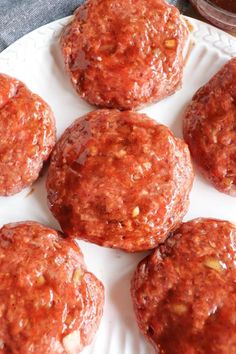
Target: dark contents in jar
(229,5)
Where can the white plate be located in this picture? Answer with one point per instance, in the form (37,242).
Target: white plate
(36,60)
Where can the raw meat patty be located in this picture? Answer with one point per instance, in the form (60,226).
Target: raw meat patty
(210,129)
(27,135)
(125,53)
(184,294)
(49,302)
(119,179)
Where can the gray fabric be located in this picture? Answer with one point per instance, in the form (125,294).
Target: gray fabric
(182,5)
(18,17)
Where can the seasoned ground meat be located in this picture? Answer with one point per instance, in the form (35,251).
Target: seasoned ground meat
(49,302)
(184,294)
(27,135)
(125,53)
(210,129)
(119,179)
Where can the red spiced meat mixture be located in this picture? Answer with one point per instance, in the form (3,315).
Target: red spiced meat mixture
(27,135)
(119,179)
(125,53)
(210,129)
(184,294)
(49,302)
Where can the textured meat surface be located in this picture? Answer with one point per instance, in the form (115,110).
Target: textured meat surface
(49,303)
(184,294)
(125,53)
(119,179)
(210,129)
(27,135)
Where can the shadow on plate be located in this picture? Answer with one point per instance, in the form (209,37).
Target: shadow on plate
(121,298)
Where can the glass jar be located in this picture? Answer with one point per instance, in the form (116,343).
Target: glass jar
(216,15)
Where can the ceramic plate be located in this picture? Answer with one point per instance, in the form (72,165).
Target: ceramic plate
(36,60)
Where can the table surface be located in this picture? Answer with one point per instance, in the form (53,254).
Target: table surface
(192,12)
